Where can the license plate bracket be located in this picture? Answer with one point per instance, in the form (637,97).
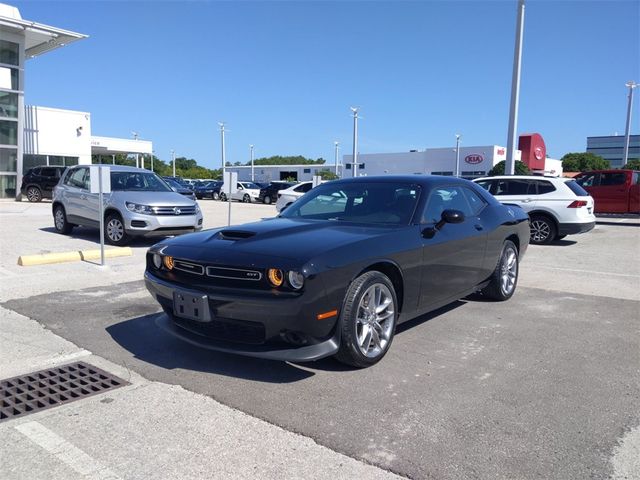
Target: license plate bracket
(191,306)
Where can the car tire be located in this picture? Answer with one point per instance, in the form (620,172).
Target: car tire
(114,231)
(365,335)
(215,196)
(543,230)
(34,194)
(246,198)
(223,197)
(60,220)
(267,200)
(504,278)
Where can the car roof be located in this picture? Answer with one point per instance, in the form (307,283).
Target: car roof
(115,168)
(424,180)
(523,177)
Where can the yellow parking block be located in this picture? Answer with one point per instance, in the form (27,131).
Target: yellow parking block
(60,257)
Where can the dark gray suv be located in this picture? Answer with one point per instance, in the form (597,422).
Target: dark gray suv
(140,204)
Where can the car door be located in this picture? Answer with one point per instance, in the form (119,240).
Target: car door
(613,192)
(239,193)
(453,257)
(72,192)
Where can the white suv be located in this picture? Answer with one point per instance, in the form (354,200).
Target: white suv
(247,192)
(288,196)
(557,207)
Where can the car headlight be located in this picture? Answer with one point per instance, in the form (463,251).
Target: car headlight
(276,277)
(137,208)
(296,280)
(197,208)
(157,260)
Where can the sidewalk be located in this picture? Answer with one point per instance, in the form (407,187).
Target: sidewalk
(146,429)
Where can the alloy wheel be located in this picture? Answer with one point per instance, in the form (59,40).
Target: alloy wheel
(115,230)
(375,320)
(509,271)
(540,231)
(33,194)
(59,219)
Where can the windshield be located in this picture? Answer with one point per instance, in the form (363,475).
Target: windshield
(370,203)
(138,182)
(250,185)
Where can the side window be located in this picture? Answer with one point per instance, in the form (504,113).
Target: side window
(48,172)
(35,171)
(304,188)
(589,180)
(476,203)
(445,198)
(76,178)
(608,179)
(486,184)
(636,179)
(545,187)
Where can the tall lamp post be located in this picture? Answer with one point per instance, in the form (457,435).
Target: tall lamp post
(135,137)
(173,158)
(251,155)
(337,145)
(222,145)
(354,165)
(457,154)
(625,156)
(510,164)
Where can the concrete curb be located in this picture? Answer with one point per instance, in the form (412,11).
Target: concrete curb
(60,257)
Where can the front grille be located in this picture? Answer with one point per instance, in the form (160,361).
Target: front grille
(239,331)
(189,210)
(138,223)
(234,273)
(52,387)
(188,267)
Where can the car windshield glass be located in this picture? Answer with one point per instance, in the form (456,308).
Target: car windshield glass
(250,185)
(370,203)
(138,181)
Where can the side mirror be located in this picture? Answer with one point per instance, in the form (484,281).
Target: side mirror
(174,189)
(448,216)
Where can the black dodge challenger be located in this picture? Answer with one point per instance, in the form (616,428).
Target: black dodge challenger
(335,272)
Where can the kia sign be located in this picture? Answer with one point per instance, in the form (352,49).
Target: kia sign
(474,158)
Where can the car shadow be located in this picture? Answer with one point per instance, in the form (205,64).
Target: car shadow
(92,235)
(562,243)
(146,342)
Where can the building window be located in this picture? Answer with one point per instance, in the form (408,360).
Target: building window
(442,173)
(307,170)
(348,166)
(8,78)
(70,161)
(9,52)
(8,132)
(8,105)
(7,186)
(8,159)
(30,161)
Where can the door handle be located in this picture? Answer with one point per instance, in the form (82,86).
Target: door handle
(478,227)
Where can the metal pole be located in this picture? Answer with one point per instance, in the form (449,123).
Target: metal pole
(510,165)
(222,145)
(457,155)
(151,161)
(252,177)
(113,159)
(337,145)
(101,215)
(173,156)
(355,141)
(625,156)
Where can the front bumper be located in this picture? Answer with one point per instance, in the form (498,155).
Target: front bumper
(162,225)
(270,327)
(575,228)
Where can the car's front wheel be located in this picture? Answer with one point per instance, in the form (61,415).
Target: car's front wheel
(246,198)
(60,220)
(215,196)
(34,194)
(267,200)
(505,277)
(368,320)
(223,197)
(114,232)
(543,230)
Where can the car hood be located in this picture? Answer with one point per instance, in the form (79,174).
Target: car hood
(153,199)
(297,240)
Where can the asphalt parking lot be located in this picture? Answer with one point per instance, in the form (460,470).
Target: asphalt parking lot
(543,386)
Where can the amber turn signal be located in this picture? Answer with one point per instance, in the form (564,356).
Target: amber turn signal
(323,316)
(168,262)
(276,277)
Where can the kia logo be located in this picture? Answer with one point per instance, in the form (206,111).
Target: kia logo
(474,158)
(500,151)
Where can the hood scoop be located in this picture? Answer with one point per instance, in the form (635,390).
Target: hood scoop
(234,234)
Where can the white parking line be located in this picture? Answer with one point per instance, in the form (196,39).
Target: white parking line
(591,272)
(66,452)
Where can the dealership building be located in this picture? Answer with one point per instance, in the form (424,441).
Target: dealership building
(34,135)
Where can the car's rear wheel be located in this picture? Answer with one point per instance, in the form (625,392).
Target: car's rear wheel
(368,320)
(543,230)
(60,220)
(505,277)
(246,198)
(223,197)
(34,194)
(215,196)
(267,200)
(114,232)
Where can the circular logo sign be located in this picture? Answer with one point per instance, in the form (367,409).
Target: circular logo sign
(539,153)
(474,158)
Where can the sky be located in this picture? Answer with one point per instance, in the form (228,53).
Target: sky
(282,75)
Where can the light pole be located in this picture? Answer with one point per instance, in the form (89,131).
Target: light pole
(337,145)
(510,165)
(625,156)
(251,155)
(173,157)
(135,137)
(457,154)
(354,165)
(222,143)
(152,152)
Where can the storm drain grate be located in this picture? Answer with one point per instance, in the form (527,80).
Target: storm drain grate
(52,387)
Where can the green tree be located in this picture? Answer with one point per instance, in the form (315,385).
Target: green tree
(291,160)
(327,174)
(519,169)
(583,162)
(633,164)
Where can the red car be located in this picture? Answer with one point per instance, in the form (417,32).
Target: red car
(614,191)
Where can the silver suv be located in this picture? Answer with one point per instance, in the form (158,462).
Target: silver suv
(140,204)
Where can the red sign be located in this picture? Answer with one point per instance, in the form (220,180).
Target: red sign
(474,158)
(538,153)
(500,151)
